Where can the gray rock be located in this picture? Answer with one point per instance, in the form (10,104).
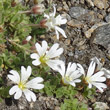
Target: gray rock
(102,35)
(70,54)
(100,106)
(107,18)
(76,12)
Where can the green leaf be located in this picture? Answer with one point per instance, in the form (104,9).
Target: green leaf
(4,92)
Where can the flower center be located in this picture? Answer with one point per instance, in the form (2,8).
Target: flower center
(88,79)
(68,79)
(43,59)
(21,85)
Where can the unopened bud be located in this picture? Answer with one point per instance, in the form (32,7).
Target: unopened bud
(24,42)
(33,48)
(13,3)
(43,23)
(38,9)
(28,38)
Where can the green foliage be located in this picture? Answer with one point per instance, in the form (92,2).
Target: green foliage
(4,92)
(14,24)
(65,91)
(73,104)
(89,93)
(36,20)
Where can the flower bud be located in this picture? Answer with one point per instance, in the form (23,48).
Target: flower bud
(13,3)
(24,42)
(28,38)
(38,9)
(33,48)
(43,23)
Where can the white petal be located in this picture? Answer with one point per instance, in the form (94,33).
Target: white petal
(18,94)
(29,95)
(44,47)
(47,16)
(98,74)
(54,10)
(39,49)
(53,63)
(28,38)
(60,20)
(52,50)
(77,80)
(98,77)
(34,83)
(90,85)
(34,56)
(61,69)
(97,61)
(73,66)
(17,91)
(70,69)
(91,68)
(61,31)
(81,69)
(57,34)
(13,89)
(75,75)
(35,86)
(100,86)
(72,83)
(14,77)
(25,74)
(57,53)
(36,62)
(106,72)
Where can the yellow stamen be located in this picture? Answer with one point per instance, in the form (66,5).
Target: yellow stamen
(21,85)
(87,80)
(65,80)
(43,59)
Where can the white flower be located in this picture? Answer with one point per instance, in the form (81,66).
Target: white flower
(94,79)
(45,56)
(71,75)
(99,67)
(53,23)
(23,85)
(99,64)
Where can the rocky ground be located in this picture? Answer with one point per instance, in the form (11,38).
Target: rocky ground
(88,31)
